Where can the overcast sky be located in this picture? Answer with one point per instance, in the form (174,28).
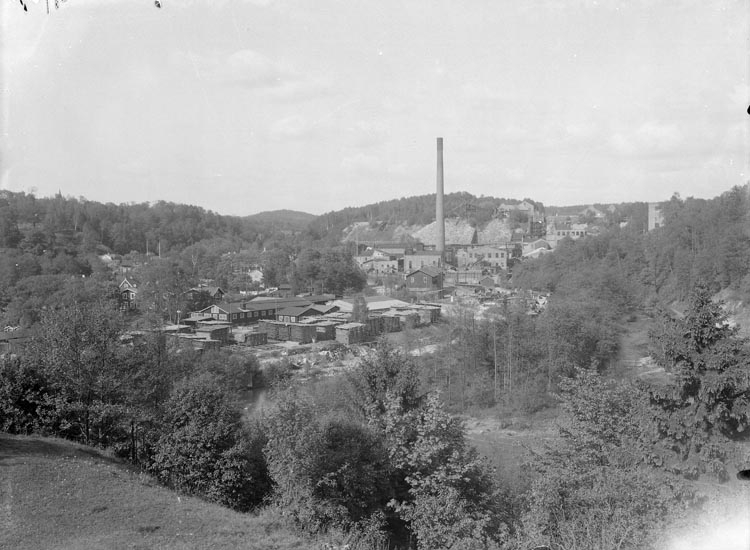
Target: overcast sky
(250,105)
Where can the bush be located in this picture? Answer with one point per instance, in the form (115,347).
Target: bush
(203,449)
(329,472)
(21,389)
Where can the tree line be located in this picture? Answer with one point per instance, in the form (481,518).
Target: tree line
(52,247)
(701,240)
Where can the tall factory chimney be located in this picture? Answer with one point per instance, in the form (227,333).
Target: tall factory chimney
(439,216)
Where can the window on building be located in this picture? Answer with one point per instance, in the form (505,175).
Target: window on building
(234,316)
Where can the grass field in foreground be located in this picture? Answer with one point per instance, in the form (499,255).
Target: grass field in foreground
(55,494)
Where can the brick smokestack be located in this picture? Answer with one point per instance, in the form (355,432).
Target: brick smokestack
(439,215)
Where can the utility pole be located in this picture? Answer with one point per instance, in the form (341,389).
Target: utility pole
(508,382)
(494,357)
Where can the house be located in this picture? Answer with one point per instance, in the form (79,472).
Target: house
(126,266)
(425,278)
(380,266)
(213,293)
(252,311)
(655,216)
(295,314)
(487,282)
(327,308)
(422,258)
(493,256)
(128,294)
(228,313)
(572,230)
(371,254)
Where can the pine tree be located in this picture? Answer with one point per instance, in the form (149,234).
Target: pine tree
(706,407)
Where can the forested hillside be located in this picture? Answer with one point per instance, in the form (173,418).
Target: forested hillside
(410,211)
(701,240)
(55,250)
(376,454)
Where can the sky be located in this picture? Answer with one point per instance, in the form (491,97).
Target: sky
(243,106)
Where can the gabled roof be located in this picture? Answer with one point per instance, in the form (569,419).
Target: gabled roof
(324,308)
(297,311)
(224,308)
(127,283)
(427,270)
(212,290)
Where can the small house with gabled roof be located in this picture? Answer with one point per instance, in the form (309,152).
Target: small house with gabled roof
(128,294)
(215,293)
(424,279)
(296,314)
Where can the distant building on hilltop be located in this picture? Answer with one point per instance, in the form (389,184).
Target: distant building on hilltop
(655,216)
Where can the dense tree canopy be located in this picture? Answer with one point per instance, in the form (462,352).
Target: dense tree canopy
(706,406)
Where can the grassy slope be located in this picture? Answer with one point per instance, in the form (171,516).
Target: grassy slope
(55,494)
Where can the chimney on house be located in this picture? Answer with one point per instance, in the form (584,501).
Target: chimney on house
(439,216)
